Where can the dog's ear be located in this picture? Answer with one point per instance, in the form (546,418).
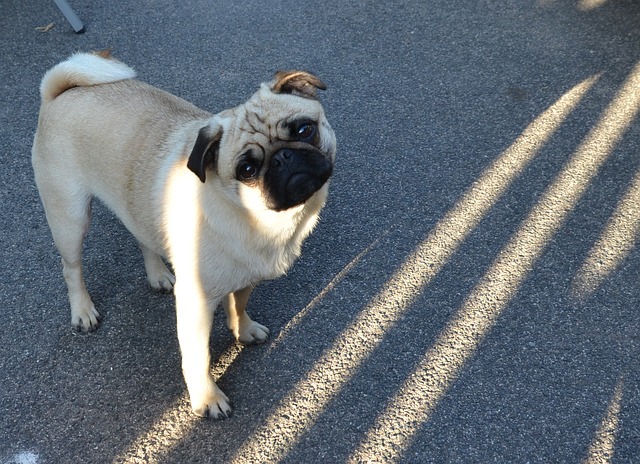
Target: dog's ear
(299,83)
(204,154)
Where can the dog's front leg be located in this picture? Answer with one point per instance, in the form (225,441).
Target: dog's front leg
(195,318)
(243,328)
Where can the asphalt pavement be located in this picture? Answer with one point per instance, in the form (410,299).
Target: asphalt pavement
(471,294)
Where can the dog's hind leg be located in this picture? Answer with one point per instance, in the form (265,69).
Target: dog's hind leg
(69,214)
(69,237)
(159,277)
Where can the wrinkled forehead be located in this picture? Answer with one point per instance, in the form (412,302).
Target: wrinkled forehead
(277,106)
(269,117)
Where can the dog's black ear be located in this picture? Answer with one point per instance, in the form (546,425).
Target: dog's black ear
(299,83)
(205,152)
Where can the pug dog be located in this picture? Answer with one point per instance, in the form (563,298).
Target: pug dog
(226,198)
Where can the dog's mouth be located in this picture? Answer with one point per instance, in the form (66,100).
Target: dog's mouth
(302,186)
(294,176)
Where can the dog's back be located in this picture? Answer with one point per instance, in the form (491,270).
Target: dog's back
(99,127)
(100,134)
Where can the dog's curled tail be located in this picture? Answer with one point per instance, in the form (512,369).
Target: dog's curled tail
(83,69)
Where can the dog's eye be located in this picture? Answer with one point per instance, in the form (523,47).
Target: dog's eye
(306,131)
(247,171)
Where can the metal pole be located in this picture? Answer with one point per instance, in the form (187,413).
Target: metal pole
(71,16)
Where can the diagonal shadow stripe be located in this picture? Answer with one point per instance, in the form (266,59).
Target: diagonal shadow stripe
(616,241)
(602,447)
(395,428)
(298,318)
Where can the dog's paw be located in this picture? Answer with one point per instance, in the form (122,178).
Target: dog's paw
(252,333)
(85,318)
(212,404)
(161,281)
(159,277)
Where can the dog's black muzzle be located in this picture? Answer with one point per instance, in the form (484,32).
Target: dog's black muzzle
(294,176)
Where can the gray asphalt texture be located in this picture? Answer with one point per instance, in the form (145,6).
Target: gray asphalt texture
(449,307)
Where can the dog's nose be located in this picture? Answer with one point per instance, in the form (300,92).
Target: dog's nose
(294,176)
(282,157)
